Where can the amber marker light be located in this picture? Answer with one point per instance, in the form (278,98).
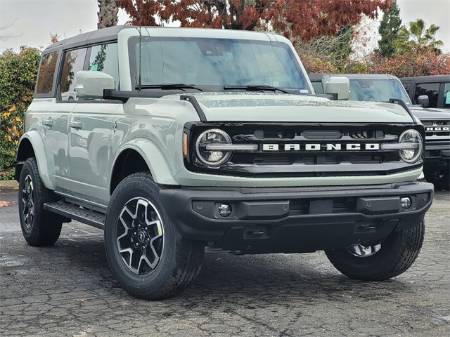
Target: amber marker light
(185,145)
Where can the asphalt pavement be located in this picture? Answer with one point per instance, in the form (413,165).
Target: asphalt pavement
(68,290)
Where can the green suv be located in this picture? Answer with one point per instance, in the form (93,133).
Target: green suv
(173,140)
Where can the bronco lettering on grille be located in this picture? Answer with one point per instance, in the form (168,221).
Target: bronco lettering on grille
(438,128)
(321,147)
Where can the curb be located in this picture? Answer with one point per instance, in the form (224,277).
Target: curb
(8,185)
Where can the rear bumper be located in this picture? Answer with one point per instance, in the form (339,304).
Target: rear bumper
(294,219)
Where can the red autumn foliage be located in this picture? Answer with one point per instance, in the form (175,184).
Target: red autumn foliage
(421,62)
(142,12)
(312,18)
(314,64)
(296,19)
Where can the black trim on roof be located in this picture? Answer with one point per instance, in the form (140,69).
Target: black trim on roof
(96,36)
(428,79)
(320,76)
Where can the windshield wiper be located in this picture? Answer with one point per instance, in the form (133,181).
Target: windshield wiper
(260,87)
(169,86)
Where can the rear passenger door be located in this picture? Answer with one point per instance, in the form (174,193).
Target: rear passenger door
(91,129)
(50,118)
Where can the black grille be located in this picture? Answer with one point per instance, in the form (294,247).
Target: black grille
(307,163)
(437,128)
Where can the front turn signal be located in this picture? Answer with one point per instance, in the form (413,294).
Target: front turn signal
(185,146)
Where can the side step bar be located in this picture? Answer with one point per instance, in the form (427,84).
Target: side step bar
(77,213)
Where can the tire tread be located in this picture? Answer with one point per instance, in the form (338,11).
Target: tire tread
(48,227)
(403,248)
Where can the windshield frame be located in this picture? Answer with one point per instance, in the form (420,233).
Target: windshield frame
(133,66)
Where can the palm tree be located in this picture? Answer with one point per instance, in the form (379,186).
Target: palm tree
(107,13)
(420,36)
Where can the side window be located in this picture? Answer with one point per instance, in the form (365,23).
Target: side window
(46,75)
(104,58)
(447,95)
(73,62)
(407,86)
(429,89)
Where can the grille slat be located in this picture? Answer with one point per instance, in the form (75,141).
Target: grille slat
(437,128)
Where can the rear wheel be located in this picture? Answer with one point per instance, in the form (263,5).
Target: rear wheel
(144,250)
(39,227)
(380,261)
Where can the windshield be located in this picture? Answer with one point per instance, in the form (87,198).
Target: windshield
(378,90)
(208,62)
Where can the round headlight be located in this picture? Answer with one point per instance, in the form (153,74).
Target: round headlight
(413,152)
(212,158)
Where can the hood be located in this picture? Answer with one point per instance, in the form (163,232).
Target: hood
(257,107)
(429,113)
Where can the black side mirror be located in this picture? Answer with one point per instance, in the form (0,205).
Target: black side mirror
(424,101)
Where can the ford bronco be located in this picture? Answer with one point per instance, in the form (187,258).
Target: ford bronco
(173,140)
(435,89)
(381,87)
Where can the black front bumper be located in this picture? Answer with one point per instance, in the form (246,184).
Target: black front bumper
(437,150)
(294,219)
(437,159)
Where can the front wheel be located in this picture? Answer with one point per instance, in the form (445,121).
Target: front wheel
(383,260)
(442,181)
(145,252)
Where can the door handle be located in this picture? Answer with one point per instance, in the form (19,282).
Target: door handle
(76,125)
(48,122)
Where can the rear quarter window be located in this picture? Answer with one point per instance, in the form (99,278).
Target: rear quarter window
(47,70)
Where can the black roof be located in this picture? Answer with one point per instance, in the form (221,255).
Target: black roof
(358,76)
(95,36)
(428,79)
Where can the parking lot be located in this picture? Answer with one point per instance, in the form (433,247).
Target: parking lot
(68,290)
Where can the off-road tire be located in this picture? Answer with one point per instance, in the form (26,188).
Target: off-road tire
(45,226)
(398,252)
(442,183)
(180,260)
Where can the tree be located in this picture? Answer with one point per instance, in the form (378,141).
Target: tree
(54,38)
(17,79)
(421,63)
(418,37)
(327,53)
(305,20)
(298,20)
(107,13)
(144,12)
(389,31)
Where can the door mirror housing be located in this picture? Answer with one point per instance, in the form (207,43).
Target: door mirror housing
(90,84)
(337,86)
(424,101)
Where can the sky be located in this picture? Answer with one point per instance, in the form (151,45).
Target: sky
(31,22)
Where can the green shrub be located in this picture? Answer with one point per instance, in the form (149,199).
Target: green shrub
(17,79)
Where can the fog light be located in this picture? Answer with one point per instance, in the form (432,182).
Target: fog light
(224,210)
(406,202)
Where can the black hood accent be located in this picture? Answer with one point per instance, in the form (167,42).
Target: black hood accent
(429,113)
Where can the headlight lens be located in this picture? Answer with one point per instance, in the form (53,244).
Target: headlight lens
(212,158)
(415,152)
